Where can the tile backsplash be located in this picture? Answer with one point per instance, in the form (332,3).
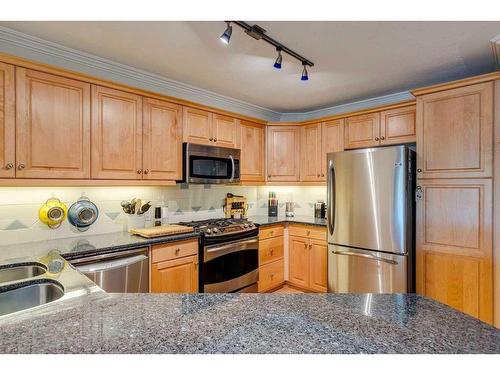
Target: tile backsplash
(19,206)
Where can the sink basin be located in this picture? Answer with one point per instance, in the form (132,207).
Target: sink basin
(21,271)
(14,298)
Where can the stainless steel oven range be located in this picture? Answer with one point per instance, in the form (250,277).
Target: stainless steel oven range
(228,256)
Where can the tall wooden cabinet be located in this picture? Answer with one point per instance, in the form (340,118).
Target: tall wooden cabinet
(455,198)
(7,122)
(332,140)
(283,153)
(253,151)
(52,126)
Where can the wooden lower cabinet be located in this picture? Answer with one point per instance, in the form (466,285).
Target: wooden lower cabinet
(271,258)
(174,268)
(307,262)
(318,251)
(271,275)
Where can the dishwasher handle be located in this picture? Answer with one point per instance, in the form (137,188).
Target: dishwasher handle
(111,264)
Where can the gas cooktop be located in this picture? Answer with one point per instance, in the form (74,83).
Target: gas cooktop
(214,227)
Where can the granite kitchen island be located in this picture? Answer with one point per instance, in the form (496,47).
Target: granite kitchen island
(247,323)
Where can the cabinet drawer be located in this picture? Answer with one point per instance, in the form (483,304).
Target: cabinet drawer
(270,249)
(269,232)
(307,231)
(271,275)
(174,250)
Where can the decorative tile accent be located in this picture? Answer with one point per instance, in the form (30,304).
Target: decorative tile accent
(311,204)
(207,186)
(184,186)
(112,215)
(211,209)
(178,212)
(296,205)
(250,205)
(196,209)
(264,205)
(16,224)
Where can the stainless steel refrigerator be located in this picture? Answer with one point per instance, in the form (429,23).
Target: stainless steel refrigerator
(370,216)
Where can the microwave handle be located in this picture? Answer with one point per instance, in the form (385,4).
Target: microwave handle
(232,167)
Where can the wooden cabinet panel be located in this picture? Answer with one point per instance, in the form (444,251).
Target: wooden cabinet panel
(271,275)
(197,126)
(318,251)
(398,125)
(53,126)
(311,154)
(162,140)
(253,155)
(455,131)
(298,261)
(332,140)
(270,250)
(271,231)
(307,231)
(175,276)
(7,122)
(116,134)
(283,151)
(169,251)
(362,131)
(454,244)
(225,131)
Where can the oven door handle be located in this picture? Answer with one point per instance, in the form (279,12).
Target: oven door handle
(232,167)
(241,245)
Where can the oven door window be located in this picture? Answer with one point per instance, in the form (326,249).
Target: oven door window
(230,266)
(209,167)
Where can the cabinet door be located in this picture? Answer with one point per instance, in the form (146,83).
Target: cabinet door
(7,122)
(362,131)
(283,153)
(162,140)
(310,151)
(398,125)
(454,244)
(317,265)
(332,138)
(116,134)
(455,132)
(53,126)
(197,126)
(175,276)
(225,131)
(298,261)
(253,155)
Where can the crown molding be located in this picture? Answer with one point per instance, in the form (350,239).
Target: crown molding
(36,49)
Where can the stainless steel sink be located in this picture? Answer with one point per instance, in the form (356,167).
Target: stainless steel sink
(18,297)
(21,271)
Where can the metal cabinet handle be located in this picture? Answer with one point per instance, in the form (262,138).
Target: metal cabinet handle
(9,166)
(419,193)
(269,175)
(271,232)
(146,171)
(211,139)
(319,175)
(215,139)
(21,166)
(382,138)
(419,170)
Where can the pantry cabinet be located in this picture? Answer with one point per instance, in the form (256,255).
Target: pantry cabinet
(7,121)
(253,151)
(206,128)
(162,140)
(116,134)
(52,126)
(283,153)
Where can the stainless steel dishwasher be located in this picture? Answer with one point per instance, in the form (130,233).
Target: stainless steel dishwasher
(118,272)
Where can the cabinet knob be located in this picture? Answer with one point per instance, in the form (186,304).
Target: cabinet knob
(269,175)
(21,166)
(308,232)
(319,175)
(382,138)
(146,171)
(310,246)
(215,139)
(210,139)
(9,166)
(322,175)
(305,245)
(139,171)
(177,251)
(419,170)
(376,138)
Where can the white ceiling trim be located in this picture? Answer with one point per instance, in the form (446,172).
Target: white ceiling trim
(33,48)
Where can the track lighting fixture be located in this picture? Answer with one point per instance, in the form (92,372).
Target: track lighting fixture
(259,33)
(279,59)
(304,76)
(226,35)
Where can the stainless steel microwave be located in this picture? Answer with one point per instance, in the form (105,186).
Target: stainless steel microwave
(210,164)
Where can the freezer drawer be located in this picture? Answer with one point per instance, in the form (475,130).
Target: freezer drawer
(353,270)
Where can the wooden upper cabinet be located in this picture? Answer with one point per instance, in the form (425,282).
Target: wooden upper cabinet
(175,276)
(225,131)
(283,153)
(332,140)
(398,125)
(197,126)
(311,154)
(362,130)
(53,126)
(454,244)
(455,132)
(253,152)
(162,140)
(116,134)
(7,122)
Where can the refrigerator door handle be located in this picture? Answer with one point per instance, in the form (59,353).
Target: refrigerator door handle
(330,197)
(350,253)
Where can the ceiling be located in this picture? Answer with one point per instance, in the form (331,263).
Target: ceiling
(353,60)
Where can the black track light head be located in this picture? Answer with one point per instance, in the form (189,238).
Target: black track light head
(226,35)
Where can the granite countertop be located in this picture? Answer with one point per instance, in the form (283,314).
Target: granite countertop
(249,323)
(267,220)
